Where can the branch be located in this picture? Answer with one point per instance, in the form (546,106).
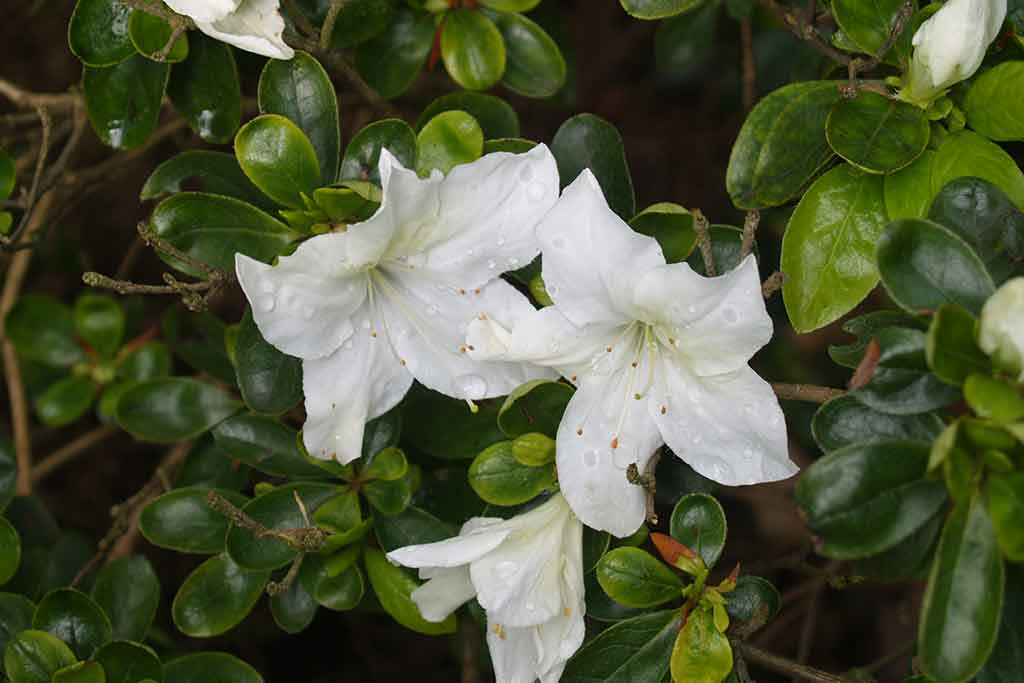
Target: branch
(341,66)
(327,30)
(701,227)
(782,665)
(70,451)
(26,99)
(802,26)
(805,392)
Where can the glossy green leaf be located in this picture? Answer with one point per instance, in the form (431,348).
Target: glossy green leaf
(34,656)
(684,45)
(264,444)
(753,603)
(1007,658)
(388,464)
(536,406)
(447,140)
(394,587)
(782,145)
(877,134)
(216,173)
(924,265)
(993,398)
(828,250)
(845,421)
(206,90)
(634,650)
(510,5)
(908,193)
(294,609)
(207,466)
(76,619)
(360,20)
(588,141)
(867,24)
(150,35)
(658,9)
(65,400)
(968,154)
(182,520)
(128,591)
(534,449)
(82,672)
(698,522)
(994,106)
(173,409)
(962,603)
(466,434)
(952,351)
(496,117)
(270,381)
(534,65)
(901,383)
(362,154)
(300,90)
(217,666)
(702,653)
(671,225)
(123,101)
(864,499)
(910,559)
(15,616)
(500,479)
(391,61)
(10,551)
(472,48)
(99,322)
(341,592)
(278,158)
(412,527)
(128,662)
(98,32)
(216,596)
(391,497)
(42,329)
(635,578)
(1005,494)
(865,327)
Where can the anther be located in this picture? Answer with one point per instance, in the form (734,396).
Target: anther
(615,442)
(579,432)
(664,409)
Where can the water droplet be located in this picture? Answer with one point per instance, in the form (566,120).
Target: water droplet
(491,264)
(432,310)
(501,241)
(267,304)
(348,344)
(308,312)
(696,439)
(730,315)
(471,386)
(590,458)
(691,309)
(526,175)
(513,262)
(536,192)
(506,571)
(268,287)
(559,242)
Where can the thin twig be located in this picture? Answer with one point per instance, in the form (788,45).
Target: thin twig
(750,224)
(772,285)
(899,24)
(803,28)
(701,227)
(805,392)
(308,539)
(327,30)
(782,665)
(749,65)
(27,99)
(37,176)
(70,451)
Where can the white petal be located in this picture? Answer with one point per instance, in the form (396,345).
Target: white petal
(513,653)
(727,427)
(719,323)
(487,217)
(427,321)
(204,10)
(452,552)
(303,304)
(557,641)
(605,412)
(255,26)
(592,259)
(444,593)
(362,380)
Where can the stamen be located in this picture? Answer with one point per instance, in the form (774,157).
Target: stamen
(664,409)
(473,408)
(579,432)
(402,361)
(615,442)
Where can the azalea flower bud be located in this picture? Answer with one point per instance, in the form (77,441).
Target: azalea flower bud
(950,46)
(1001,334)
(251,25)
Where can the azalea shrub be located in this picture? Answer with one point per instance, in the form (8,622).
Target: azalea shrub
(407,362)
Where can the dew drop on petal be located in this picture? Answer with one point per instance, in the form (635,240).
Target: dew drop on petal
(536,191)
(308,312)
(492,264)
(514,262)
(730,315)
(268,304)
(590,458)
(506,571)
(501,241)
(471,386)
(530,607)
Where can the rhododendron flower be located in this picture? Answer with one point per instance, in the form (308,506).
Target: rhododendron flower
(527,574)
(1001,332)
(388,300)
(659,355)
(251,25)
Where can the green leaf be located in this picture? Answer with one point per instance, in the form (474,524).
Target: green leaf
(466,433)
(300,90)
(447,140)
(496,117)
(391,497)
(671,225)
(212,229)
(278,158)
(684,46)
(99,322)
(534,65)
(10,545)
(782,145)
(149,361)
(98,32)
(34,656)
(993,104)
(1007,658)
(510,5)
(924,265)
(362,155)
(82,672)
(216,172)
(866,498)
(342,516)
(279,510)
(8,174)
(128,591)
(964,597)
(388,464)
(658,9)
(867,24)
(588,141)
(472,48)
(877,134)
(908,560)
(536,406)
(42,329)
(394,587)
(66,400)
(150,34)
(270,381)
(500,479)
(208,466)
(752,604)
(341,592)
(952,351)
(173,409)
(360,20)
(1005,493)
(994,399)
(908,193)
(413,526)
(534,449)
(8,473)
(216,597)
(294,609)
(865,327)
(216,666)
(698,522)
(182,520)
(828,250)
(206,90)
(845,421)
(264,444)
(635,578)
(128,662)
(901,383)
(15,616)
(968,154)
(76,619)
(123,101)
(631,651)
(702,653)
(391,61)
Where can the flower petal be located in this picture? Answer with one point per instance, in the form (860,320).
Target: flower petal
(427,321)
(444,593)
(303,304)
(362,380)
(591,257)
(255,26)
(513,652)
(204,10)
(719,322)
(605,429)
(452,552)
(728,427)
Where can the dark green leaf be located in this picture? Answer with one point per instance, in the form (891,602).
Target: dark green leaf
(536,406)
(270,381)
(216,597)
(216,173)
(15,616)
(867,24)
(968,154)
(340,592)
(123,101)
(210,467)
(128,662)
(98,32)
(413,526)
(82,672)
(66,400)
(466,433)
(205,89)
(42,329)
(496,118)
(391,61)
(129,592)
(753,603)
(908,560)
(294,609)
(534,65)
(877,134)
(182,520)
(635,578)
(391,497)
(908,192)
(1007,659)
(173,409)
(99,322)
(264,444)
(34,656)
(360,20)
(500,479)
(698,522)
(1005,494)
(865,327)
(76,619)
(901,383)
(216,666)
(363,152)
(394,587)
(8,471)
(845,421)
(150,35)
(992,398)
(631,651)
(278,158)
(684,45)
(588,141)
(671,225)
(10,551)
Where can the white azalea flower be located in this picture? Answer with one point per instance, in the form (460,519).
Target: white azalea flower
(659,355)
(251,25)
(1001,332)
(950,46)
(526,572)
(370,309)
